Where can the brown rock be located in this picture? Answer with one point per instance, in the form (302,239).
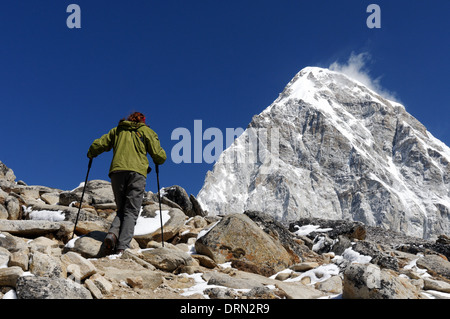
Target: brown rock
(236,236)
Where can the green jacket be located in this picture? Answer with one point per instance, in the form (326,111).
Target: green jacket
(131,142)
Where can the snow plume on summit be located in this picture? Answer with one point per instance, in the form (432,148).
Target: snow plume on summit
(356,68)
(331,147)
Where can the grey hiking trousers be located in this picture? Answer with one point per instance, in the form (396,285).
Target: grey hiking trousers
(128,188)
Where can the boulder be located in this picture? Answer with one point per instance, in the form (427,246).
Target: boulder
(330,285)
(44,265)
(236,236)
(438,285)
(83,267)
(221,279)
(31,287)
(20,259)
(167,259)
(170,228)
(188,204)
(100,192)
(5,255)
(96,293)
(151,198)
(204,261)
(43,245)
(13,207)
(89,245)
(12,243)
(97,192)
(102,283)
(3,196)
(368,281)
(196,207)
(3,212)
(178,195)
(51,198)
(120,269)
(291,290)
(350,229)
(435,264)
(197,222)
(6,173)
(276,230)
(10,275)
(378,257)
(29,228)
(87,221)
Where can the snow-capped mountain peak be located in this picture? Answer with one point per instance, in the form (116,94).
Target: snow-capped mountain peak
(330,147)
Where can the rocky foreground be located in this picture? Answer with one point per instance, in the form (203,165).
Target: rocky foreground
(237,256)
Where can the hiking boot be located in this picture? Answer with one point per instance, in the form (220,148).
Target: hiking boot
(110,243)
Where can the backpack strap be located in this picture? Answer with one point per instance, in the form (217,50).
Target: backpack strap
(139,135)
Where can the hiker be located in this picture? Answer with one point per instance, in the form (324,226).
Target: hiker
(131,140)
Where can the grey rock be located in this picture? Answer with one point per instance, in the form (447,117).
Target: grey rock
(350,229)
(150,279)
(3,196)
(10,275)
(29,228)
(167,259)
(96,192)
(152,199)
(378,257)
(368,281)
(178,195)
(51,198)
(19,259)
(13,207)
(31,287)
(4,256)
(438,285)
(237,237)
(100,191)
(170,228)
(343,242)
(278,231)
(3,212)
(89,245)
(83,266)
(435,264)
(12,243)
(95,291)
(331,285)
(221,293)
(197,209)
(70,215)
(44,265)
(6,173)
(220,279)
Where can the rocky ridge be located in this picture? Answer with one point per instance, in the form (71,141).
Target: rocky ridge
(237,256)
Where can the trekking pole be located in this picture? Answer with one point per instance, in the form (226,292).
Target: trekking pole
(159,198)
(82,195)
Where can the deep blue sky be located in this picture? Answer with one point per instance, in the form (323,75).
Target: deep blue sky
(177,61)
